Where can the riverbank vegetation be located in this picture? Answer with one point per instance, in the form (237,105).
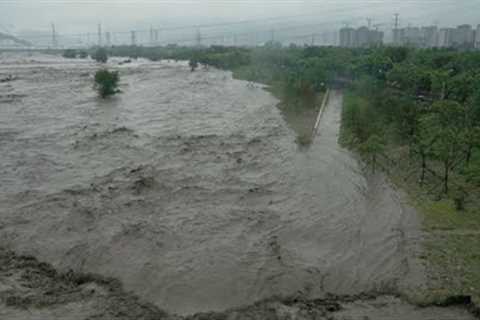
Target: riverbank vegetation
(425,106)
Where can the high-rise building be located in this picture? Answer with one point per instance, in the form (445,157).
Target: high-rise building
(477,37)
(361,37)
(463,36)
(347,37)
(430,36)
(445,37)
(413,37)
(376,37)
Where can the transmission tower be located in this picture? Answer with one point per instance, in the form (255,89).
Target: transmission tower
(54,37)
(133,39)
(99,31)
(155,36)
(198,38)
(396,37)
(108,39)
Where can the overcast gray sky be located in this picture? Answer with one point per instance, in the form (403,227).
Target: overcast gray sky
(83,15)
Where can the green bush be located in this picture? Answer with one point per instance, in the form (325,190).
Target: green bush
(106,82)
(100,55)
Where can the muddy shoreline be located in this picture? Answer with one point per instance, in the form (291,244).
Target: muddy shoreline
(31,290)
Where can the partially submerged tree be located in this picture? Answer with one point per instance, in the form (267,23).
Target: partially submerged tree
(106,82)
(373,147)
(193,63)
(100,55)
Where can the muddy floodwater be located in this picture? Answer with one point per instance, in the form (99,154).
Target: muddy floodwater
(189,189)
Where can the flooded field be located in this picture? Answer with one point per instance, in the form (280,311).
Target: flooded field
(189,188)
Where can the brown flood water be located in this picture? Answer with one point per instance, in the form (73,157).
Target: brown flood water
(189,188)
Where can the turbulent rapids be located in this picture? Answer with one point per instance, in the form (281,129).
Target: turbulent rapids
(189,188)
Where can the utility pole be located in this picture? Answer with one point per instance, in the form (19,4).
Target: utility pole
(151,35)
(133,36)
(54,36)
(313,39)
(272,35)
(108,39)
(155,36)
(99,34)
(198,38)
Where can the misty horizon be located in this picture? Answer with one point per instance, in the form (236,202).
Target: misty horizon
(24,17)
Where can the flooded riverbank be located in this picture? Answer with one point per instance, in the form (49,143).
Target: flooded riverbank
(189,188)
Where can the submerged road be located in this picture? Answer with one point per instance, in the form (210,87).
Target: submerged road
(189,188)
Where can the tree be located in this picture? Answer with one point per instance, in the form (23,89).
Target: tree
(106,82)
(373,147)
(440,80)
(423,143)
(472,120)
(446,125)
(100,55)
(193,63)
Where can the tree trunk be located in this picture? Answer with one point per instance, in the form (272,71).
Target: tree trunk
(374,162)
(445,177)
(424,167)
(469,155)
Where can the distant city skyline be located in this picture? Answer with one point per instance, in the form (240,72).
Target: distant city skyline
(71,16)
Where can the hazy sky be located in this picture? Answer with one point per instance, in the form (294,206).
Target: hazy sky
(83,15)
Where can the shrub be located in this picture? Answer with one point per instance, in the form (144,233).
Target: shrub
(106,82)
(70,54)
(100,55)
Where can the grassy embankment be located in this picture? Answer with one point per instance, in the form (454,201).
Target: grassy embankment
(451,243)
(300,113)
